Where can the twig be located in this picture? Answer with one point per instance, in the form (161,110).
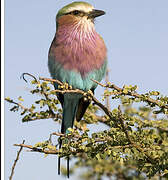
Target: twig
(58,134)
(105,109)
(17,158)
(23,76)
(101,119)
(50,116)
(18,104)
(134,94)
(107,99)
(51,113)
(69,91)
(51,80)
(35,149)
(47,98)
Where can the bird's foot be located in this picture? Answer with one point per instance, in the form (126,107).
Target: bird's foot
(88,95)
(65,86)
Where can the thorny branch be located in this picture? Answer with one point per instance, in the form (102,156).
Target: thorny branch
(51,80)
(50,115)
(35,149)
(112,86)
(18,104)
(104,108)
(134,94)
(17,158)
(47,98)
(119,120)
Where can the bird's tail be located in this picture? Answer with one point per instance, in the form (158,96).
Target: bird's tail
(70,107)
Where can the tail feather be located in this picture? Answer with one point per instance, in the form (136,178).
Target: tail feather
(70,107)
(82,107)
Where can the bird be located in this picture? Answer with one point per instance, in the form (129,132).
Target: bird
(77,55)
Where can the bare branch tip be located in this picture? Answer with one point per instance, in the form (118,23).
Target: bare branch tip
(23,76)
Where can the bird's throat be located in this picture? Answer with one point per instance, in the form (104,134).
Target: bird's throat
(76,32)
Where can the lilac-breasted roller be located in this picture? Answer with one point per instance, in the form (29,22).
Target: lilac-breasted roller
(77,54)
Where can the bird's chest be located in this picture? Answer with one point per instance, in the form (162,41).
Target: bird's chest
(80,54)
(77,60)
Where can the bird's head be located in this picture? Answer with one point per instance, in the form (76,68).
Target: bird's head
(75,12)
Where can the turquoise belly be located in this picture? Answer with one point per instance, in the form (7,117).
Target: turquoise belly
(74,78)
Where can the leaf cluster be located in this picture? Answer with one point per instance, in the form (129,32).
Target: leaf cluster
(134,144)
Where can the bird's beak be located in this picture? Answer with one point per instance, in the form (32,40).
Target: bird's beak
(95,13)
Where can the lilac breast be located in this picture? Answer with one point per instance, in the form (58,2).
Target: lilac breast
(78,50)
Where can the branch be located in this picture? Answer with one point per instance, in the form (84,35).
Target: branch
(87,94)
(51,80)
(51,113)
(17,158)
(50,116)
(35,149)
(18,104)
(23,76)
(98,103)
(101,119)
(107,80)
(72,150)
(47,98)
(129,93)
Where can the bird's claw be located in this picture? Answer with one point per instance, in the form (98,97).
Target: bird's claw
(88,95)
(65,86)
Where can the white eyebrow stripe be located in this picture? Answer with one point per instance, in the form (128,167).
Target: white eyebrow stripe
(81,8)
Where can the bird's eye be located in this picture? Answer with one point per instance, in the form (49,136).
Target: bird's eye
(76,12)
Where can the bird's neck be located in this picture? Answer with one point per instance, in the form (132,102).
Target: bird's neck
(72,31)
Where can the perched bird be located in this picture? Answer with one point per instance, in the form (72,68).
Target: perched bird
(77,54)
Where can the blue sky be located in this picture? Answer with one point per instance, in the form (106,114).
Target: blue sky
(136,35)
